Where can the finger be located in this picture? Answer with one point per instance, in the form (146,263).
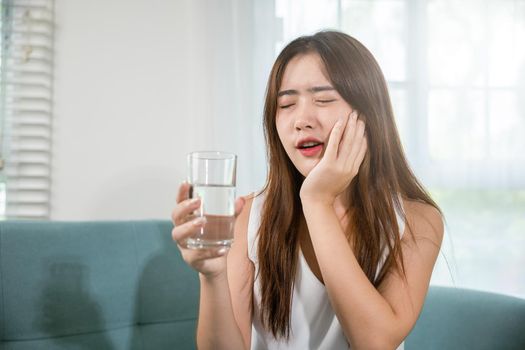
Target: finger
(184,191)
(335,138)
(194,256)
(187,229)
(182,210)
(360,156)
(239,205)
(356,142)
(345,147)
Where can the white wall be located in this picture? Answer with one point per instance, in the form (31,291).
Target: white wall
(140,83)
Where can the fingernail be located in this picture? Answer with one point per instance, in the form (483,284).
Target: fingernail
(222,251)
(354,115)
(201,220)
(194,201)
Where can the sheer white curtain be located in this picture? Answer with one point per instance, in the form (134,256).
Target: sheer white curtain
(456,73)
(233,48)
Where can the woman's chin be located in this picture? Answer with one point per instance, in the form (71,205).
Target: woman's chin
(305,171)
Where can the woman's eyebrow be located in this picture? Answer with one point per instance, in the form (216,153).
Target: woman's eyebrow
(313,89)
(320,88)
(287,92)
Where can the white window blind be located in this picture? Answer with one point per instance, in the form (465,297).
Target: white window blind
(26,108)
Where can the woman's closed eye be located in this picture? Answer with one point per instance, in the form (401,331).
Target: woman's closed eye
(286,105)
(324,101)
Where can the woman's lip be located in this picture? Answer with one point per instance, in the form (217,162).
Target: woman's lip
(308,152)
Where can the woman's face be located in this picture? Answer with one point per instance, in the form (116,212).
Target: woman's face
(307,108)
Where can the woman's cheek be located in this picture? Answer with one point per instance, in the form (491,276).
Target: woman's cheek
(330,116)
(339,112)
(282,135)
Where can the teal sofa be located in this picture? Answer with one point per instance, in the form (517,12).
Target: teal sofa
(123,285)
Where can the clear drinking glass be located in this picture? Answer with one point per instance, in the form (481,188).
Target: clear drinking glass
(212,178)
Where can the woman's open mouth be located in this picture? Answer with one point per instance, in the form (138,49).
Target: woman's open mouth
(311,150)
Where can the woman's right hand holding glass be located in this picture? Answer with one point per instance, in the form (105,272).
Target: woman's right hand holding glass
(209,262)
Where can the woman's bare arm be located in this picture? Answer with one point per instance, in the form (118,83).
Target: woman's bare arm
(375,318)
(225,300)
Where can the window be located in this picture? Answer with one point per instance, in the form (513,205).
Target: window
(25,108)
(456,73)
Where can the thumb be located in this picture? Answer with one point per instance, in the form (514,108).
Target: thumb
(239,205)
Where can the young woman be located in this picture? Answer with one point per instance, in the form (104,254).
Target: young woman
(338,248)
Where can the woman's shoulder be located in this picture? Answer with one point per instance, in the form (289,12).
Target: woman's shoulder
(242,221)
(248,202)
(418,207)
(424,220)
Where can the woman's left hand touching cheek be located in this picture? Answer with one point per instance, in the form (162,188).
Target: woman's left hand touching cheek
(343,156)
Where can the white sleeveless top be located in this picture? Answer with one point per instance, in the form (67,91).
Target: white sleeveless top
(314,324)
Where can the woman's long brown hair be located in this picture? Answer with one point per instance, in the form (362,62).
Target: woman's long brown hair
(375,192)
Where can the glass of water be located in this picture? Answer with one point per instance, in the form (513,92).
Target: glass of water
(212,178)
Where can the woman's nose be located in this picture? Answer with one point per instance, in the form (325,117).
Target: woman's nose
(301,124)
(305,118)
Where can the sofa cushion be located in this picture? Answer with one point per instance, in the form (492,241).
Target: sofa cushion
(123,282)
(457,319)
